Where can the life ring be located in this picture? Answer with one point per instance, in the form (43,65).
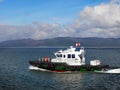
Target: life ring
(46,59)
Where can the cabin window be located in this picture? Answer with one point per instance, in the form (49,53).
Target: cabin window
(69,55)
(73,55)
(59,55)
(77,49)
(64,56)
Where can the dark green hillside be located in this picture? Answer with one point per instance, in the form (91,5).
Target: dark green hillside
(63,42)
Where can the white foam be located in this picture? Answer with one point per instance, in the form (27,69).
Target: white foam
(33,68)
(36,68)
(114,71)
(110,71)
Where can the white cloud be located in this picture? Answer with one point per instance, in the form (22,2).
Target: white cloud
(36,31)
(9,32)
(99,21)
(115,1)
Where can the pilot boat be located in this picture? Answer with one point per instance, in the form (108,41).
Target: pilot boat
(70,59)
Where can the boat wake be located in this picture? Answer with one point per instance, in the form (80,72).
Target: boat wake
(45,70)
(36,68)
(117,71)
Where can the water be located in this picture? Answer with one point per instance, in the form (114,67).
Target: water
(15,75)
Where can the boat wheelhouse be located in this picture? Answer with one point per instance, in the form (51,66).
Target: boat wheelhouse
(71,56)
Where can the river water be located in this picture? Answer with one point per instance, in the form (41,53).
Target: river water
(15,75)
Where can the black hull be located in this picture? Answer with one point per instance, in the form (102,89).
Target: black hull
(61,67)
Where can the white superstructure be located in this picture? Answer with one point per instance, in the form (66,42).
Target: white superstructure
(71,56)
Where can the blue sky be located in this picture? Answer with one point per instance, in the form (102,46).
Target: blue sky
(47,11)
(43,19)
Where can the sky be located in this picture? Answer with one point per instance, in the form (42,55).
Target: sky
(42,19)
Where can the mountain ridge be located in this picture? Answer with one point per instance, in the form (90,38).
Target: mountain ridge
(63,41)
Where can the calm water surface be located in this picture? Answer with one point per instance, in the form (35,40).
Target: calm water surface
(15,75)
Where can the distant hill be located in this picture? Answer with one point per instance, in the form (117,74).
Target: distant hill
(63,42)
